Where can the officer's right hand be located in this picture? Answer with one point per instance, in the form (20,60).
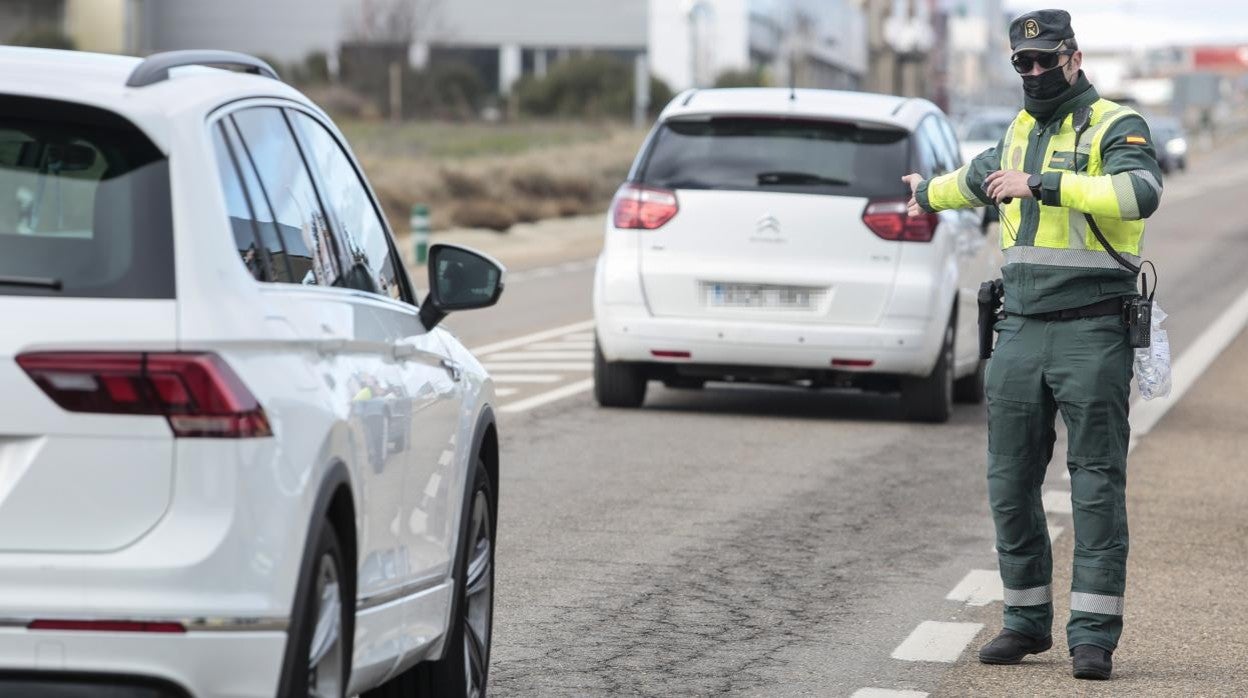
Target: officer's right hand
(912,206)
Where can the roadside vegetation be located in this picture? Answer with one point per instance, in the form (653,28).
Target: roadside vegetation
(558,146)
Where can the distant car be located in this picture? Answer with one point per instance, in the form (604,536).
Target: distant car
(983,130)
(763,237)
(237,456)
(1170,142)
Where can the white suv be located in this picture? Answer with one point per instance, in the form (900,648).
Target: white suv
(762,236)
(236,458)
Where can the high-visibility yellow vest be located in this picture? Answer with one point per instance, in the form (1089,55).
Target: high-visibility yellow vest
(1083,188)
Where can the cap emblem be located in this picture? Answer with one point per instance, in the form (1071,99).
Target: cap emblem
(1031,29)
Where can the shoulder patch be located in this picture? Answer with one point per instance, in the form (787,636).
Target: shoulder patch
(1136,139)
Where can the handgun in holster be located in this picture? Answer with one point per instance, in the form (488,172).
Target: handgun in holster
(991,297)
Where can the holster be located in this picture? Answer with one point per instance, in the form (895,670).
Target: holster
(991,297)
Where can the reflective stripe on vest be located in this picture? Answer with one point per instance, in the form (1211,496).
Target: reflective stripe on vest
(1061,228)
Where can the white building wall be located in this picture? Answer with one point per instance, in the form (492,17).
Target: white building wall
(719,34)
(283,29)
(619,24)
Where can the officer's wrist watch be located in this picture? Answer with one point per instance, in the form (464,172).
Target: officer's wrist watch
(1033,183)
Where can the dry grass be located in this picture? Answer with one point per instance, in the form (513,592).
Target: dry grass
(551,178)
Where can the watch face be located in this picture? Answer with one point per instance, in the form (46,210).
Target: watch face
(1033,181)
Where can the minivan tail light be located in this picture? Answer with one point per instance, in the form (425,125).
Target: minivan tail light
(199,394)
(889,220)
(645,208)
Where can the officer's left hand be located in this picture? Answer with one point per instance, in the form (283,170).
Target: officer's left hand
(1007,183)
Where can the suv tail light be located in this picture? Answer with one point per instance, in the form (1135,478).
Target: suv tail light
(199,394)
(889,220)
(646,208)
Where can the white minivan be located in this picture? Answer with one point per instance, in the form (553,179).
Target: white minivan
(762,236)
(238,457)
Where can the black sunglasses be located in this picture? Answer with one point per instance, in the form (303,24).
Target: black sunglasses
(1023,62)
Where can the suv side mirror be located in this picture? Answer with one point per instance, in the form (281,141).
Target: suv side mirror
(459,279)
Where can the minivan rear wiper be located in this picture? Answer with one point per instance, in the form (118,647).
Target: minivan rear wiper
(31,282)
(798,178)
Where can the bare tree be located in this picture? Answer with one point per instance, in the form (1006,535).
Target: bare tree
(392,21)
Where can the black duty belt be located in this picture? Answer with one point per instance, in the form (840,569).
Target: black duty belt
(1111,306)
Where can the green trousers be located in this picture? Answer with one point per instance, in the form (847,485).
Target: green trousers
(1082,369)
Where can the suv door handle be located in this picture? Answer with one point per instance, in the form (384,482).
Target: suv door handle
(453,368)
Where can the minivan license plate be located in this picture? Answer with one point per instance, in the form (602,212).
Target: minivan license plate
(725,295)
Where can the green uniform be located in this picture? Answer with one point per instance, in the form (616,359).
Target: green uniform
(1080,368)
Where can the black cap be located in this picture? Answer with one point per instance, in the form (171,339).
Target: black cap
(1042,30)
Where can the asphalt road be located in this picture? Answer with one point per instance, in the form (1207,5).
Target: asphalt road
(760,541)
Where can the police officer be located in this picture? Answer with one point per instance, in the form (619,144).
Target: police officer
(1071,161)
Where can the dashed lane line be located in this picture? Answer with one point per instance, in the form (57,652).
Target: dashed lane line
(526,377)
(565,345)
(549,397)
(978,588)
(937,641)
(539,366)
(576,329)
(526,355)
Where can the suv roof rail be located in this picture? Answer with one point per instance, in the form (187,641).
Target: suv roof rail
(155,68)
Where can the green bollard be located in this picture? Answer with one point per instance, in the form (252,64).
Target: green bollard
(419,224)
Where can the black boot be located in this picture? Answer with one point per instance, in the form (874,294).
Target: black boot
(1009,647)
(1091,662)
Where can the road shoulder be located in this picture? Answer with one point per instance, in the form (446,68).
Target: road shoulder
(1189,556)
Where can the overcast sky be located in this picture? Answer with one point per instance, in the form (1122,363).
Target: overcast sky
(1123,23)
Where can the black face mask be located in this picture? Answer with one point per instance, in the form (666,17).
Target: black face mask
(1046,85)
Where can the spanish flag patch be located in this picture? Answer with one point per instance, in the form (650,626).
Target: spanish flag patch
(1137,140)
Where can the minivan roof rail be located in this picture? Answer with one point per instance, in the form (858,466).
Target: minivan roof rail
(155,68)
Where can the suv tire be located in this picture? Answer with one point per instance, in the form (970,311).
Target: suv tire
(463,670)
(322,628)
(618,384)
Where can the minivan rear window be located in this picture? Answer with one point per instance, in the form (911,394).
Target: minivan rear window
(84,204)
(772,154)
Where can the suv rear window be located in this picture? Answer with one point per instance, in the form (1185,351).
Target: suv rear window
(84,204)
(787,155)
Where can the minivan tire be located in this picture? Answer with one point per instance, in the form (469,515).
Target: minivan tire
(930,399)
(969,390)
(618,384)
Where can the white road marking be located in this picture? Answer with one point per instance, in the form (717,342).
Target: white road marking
(526,377)
(1056,501)
(565,345)
(505,392)
(978,588)
(1188,368)
(936,641)
(578,328)
(580,337)
(549,397)
(540,366)
(886,693)
(540,356)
